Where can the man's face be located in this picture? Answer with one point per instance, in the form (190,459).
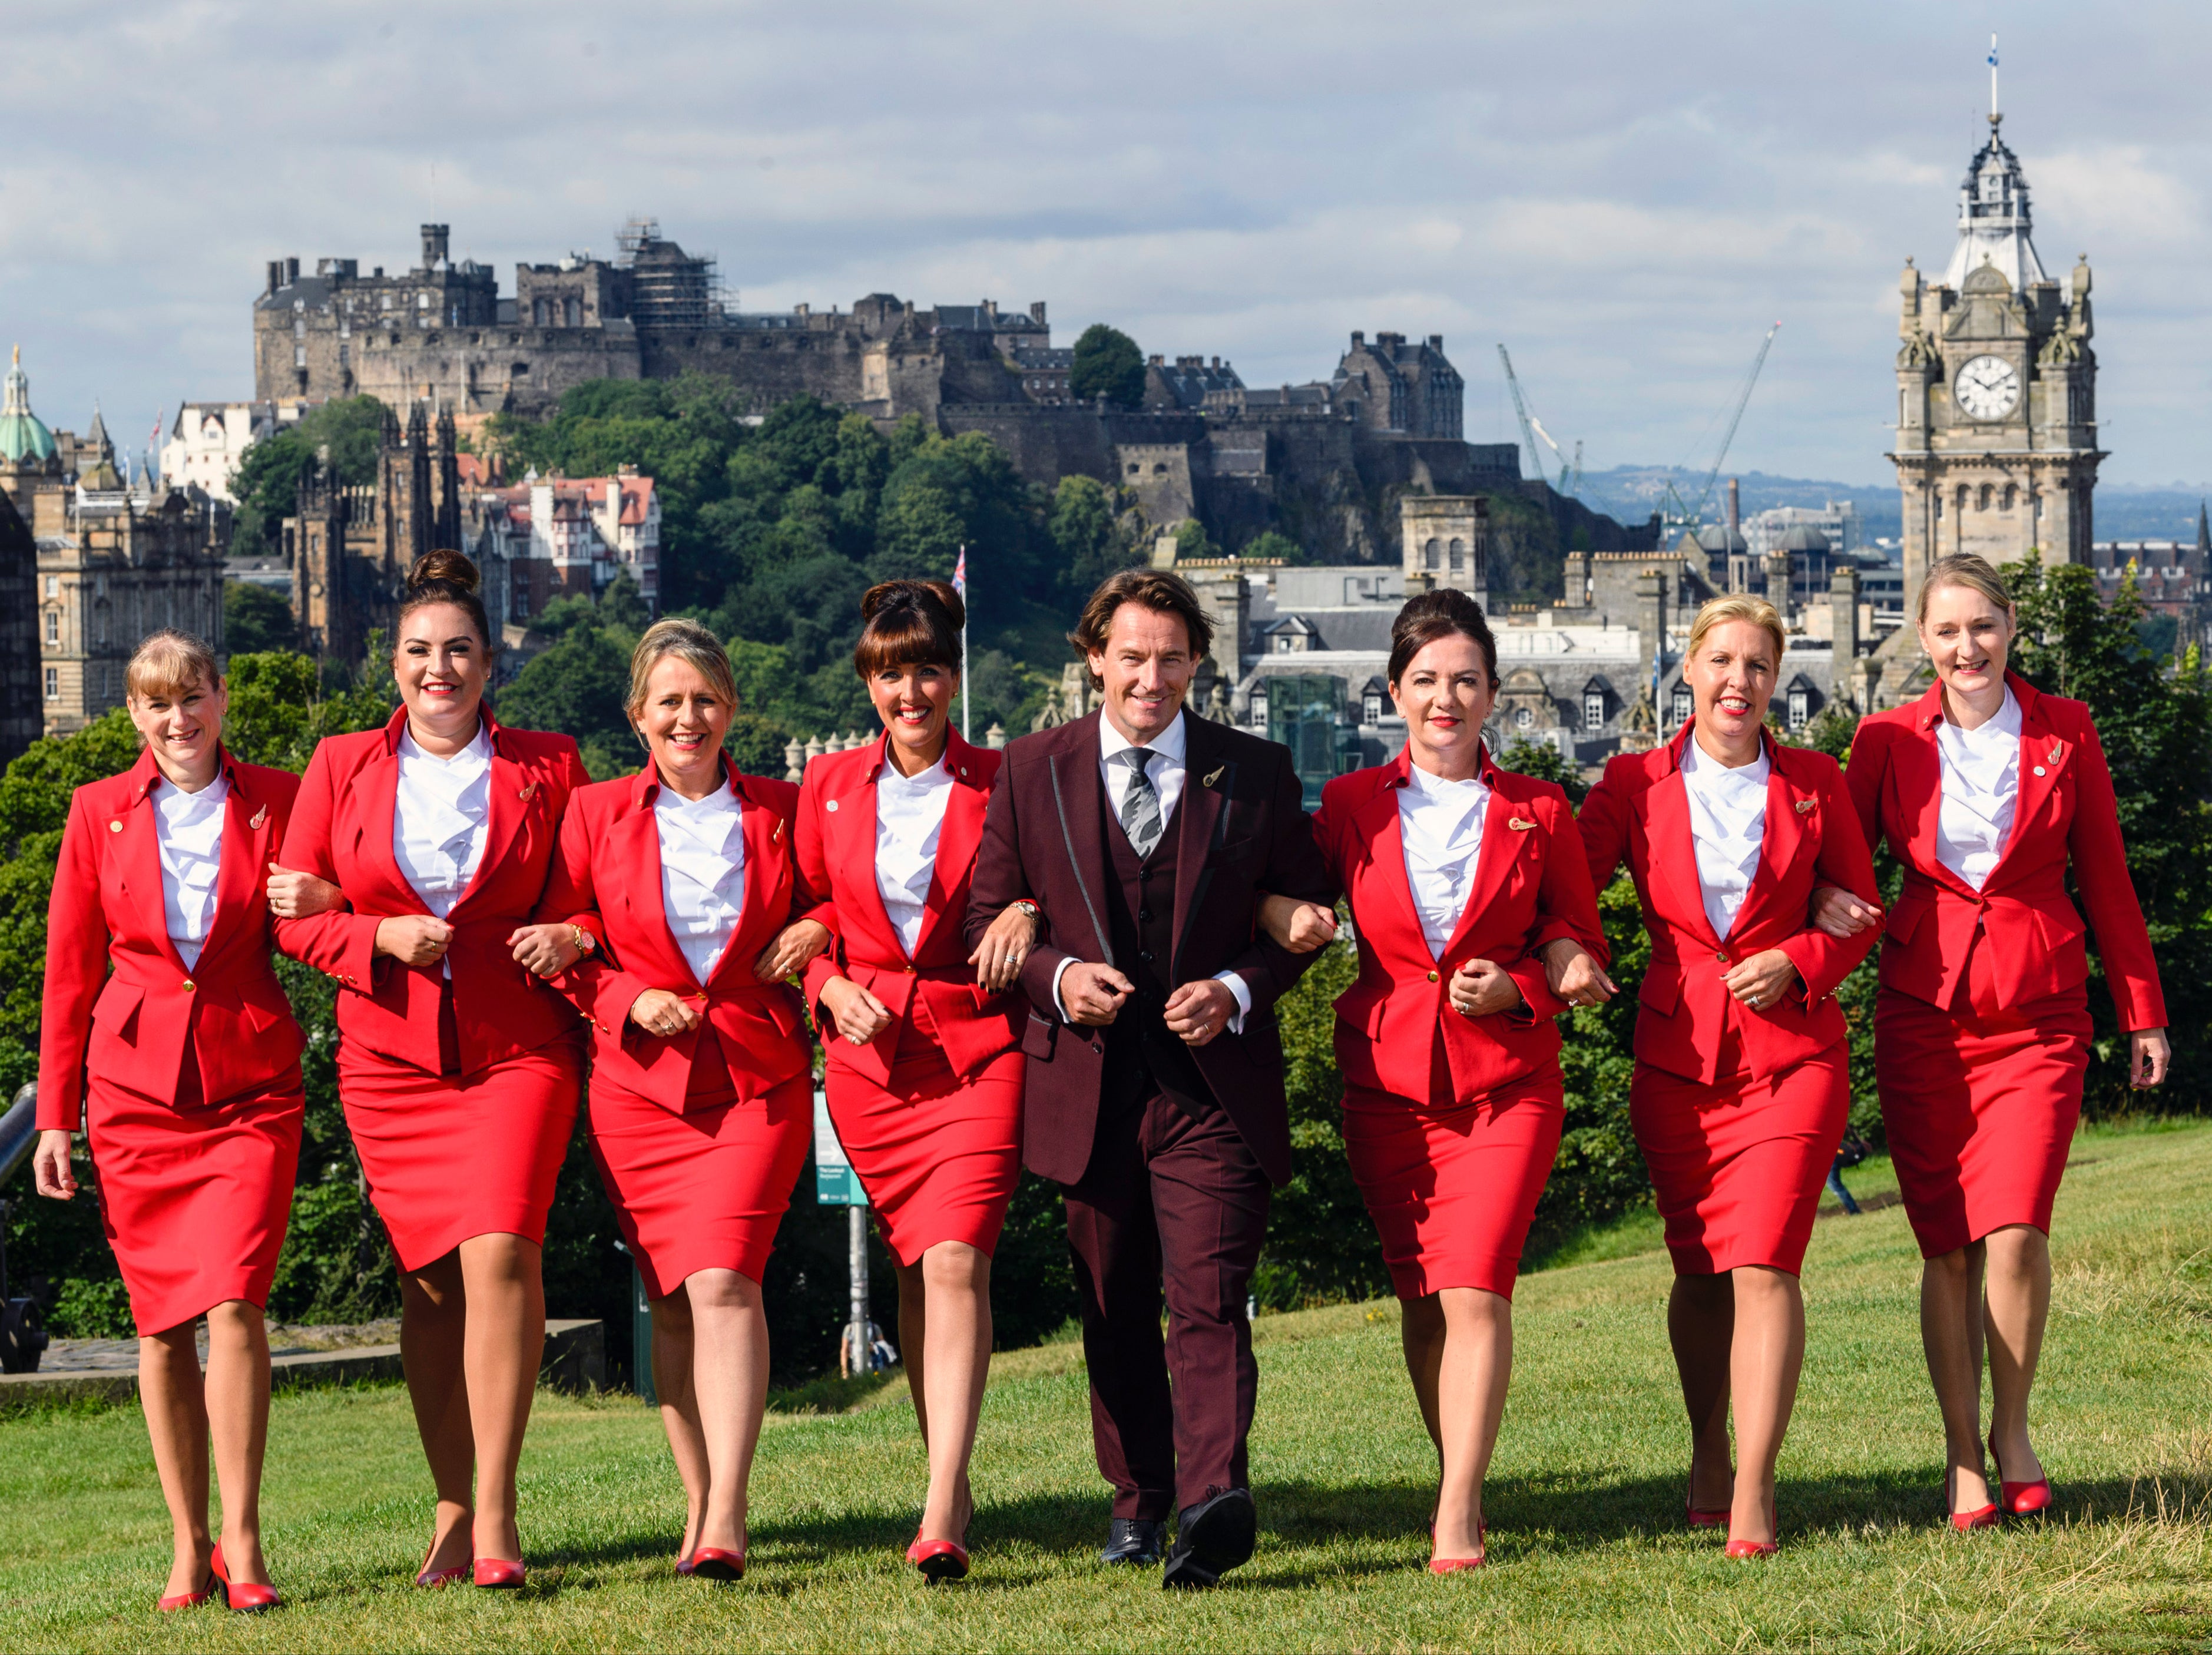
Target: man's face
(1146,668)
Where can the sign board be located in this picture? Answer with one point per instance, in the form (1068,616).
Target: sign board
(836,1184)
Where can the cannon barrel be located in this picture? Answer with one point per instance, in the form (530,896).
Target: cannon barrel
(19,1130)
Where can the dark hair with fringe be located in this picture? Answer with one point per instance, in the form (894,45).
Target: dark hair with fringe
(1439,614)
(910,623)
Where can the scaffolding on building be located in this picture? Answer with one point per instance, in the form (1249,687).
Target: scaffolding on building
(669,287)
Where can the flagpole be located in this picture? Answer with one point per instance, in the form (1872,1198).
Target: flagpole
(1993,80)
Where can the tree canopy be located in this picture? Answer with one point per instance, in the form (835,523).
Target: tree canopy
(1107,363)
(268,476)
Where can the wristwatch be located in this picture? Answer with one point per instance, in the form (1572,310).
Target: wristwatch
(1027,907)
(581,940)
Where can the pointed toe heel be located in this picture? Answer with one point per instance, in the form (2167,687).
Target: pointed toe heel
(426,1576)
(938,1561)
(717,1563)
(176,1601)
(1751,1548)
(497,1573)
(241,1595)
(2019,1499)
(1457,1565)
(1982,1517)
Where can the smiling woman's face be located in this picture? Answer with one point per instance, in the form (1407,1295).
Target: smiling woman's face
(1731,674)
(683,721)
(441,666)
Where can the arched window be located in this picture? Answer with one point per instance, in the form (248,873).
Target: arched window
(2011,497)
(1524,719)
(1458,557)
(1984,502)
(572,312)
(1432,555)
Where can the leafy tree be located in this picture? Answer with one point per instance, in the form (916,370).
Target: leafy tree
(1273,544)
(1107,363)
(1087,541)
(256,617)
(1192,543)
(267,485)
(963,491)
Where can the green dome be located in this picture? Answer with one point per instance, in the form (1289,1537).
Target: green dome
(22,437)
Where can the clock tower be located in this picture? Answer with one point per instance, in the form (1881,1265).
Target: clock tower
(1997,435)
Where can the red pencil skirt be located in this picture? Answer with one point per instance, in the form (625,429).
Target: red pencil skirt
(1453,1189)
(1738,1166)
(704,1189)
(939,1156)
(194,1197)
(1980,1111)
(449,1156)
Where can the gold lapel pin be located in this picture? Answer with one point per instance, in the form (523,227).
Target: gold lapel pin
(115,827)
(1518,825)
(259,816)
(1214,777)
(1804,806)
(527,791)
(2055,749)
(776,835)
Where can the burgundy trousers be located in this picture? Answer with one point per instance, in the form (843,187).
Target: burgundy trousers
(1174,1208)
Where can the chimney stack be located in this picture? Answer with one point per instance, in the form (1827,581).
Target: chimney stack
(1735,507)
(276,274)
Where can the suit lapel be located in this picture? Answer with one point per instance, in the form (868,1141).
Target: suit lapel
(857,835)
(2042,755)
(634,847)
(1671,844)
(1375,827)
(1206,783)
(513,791)
(1079,797)
(1501,844)
(138,858)
(767,886)
(1779,837)
(246,831)
(376,802)
(957,840)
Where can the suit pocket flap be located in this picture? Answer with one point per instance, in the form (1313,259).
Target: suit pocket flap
(1904,919)
(1661,990)
(117,1005)
(1038,1037)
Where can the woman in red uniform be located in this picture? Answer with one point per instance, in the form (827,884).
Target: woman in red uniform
(681,881)
(457,1068)
(925,1078)
(183,1067)
(1991,794)
(1740,1090)
(1463,881)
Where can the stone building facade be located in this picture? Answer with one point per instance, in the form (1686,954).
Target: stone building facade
(114,558)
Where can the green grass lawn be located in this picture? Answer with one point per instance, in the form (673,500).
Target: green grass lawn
(1585,1499)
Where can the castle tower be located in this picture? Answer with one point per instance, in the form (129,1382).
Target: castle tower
(1445,541)
(1996,437)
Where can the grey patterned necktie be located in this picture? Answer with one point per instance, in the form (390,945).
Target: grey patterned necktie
(1140,803)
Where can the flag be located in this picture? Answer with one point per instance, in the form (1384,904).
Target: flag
(960,576)
(1993,52)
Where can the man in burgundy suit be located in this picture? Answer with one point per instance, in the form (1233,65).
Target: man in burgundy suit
(1155,1093)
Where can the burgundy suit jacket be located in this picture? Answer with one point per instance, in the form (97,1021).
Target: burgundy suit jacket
(133,1026)
(2065,818)
(837,857)
(607,879)
(1640,812)
(1240,830)
(341,831)
(1396,1030)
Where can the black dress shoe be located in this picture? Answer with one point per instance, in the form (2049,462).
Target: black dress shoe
(1211,1537)
(1133,1540)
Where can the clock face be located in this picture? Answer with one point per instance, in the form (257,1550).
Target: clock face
(1988,387)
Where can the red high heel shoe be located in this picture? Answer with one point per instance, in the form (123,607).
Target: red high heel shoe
(2020,1498)
(176,1601)
(1454,1565)
(718,1563)
(1750,1547)
(683,1566)
(426,1576)
(1982,1517)
(241,1595)
(498,1573)
(937,1560)
(1703,1517)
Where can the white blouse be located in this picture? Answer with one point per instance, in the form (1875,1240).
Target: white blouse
(1728,819)
(910,818)
(189,827)
(1981,786)
(1440,825)
(702,873)
(438,824)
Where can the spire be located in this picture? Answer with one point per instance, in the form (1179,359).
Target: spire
(22,437)
(1993,220)
(97,434)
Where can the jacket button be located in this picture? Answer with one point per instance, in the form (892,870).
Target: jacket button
(1433,977)
(1145,955)
(1721,954)
(189,985)
(1144,916)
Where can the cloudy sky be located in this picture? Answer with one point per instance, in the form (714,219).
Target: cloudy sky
(1626,195)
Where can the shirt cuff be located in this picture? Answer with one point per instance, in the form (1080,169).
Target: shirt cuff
(1058,1007)
(1243,993)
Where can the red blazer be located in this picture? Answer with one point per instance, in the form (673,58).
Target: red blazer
(135,1028)
(2065,816)
(1395,1029)
(1641,811)
(608,880)
(837,856)
(342,831)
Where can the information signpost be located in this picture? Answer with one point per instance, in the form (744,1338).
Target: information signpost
(836,1184)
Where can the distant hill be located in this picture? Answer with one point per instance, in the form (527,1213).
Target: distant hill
(2123,511)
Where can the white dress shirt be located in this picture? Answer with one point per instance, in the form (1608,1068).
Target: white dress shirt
(909,820)
(1165,769)
(1728,819)
(1440,825)
(438,823)
(189,828)
(1981,786)
(702,873)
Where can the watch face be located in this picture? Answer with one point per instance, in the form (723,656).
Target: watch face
(1988,387)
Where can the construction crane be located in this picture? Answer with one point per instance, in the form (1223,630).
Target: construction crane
(1692,515)
(1532,430)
